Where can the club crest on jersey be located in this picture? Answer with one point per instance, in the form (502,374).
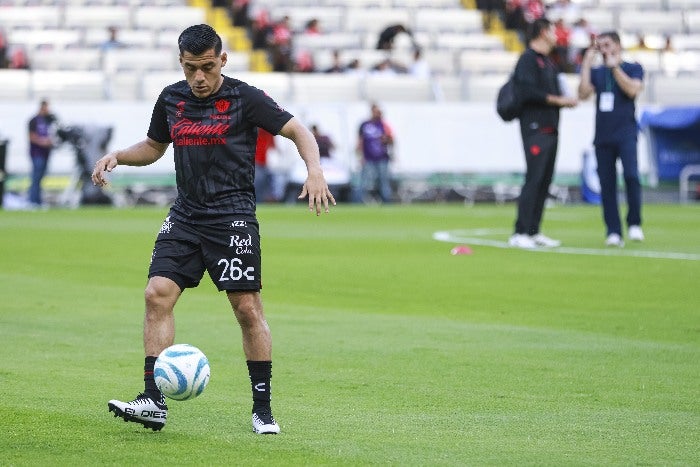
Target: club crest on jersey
(180,106)
(222,105)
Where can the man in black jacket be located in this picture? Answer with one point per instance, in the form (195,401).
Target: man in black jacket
(537,87)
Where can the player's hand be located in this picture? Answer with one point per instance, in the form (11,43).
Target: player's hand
(105,164)
(318,192)
(569,102)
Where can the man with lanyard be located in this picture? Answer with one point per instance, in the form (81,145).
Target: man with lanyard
(212,122)
(616,83)
(536,81)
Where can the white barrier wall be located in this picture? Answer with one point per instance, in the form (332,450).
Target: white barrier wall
(430,137)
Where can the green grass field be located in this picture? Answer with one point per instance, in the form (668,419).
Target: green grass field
(387,348)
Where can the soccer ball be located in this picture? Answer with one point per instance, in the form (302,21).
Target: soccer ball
(181,372)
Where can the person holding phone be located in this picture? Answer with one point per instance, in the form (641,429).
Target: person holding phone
(617,84)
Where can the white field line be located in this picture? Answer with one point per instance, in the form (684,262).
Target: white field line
(478,237)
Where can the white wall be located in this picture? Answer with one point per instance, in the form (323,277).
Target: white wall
(459,137)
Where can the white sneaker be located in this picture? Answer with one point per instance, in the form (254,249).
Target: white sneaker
(545,241)
(635,233)
(143,410)
(522,241)
(614,240)
(264,423)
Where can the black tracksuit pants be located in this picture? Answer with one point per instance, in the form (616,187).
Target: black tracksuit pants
(540,156)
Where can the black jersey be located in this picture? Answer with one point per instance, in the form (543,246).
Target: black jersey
(214,142)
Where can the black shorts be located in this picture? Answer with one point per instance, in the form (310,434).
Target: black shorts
(229,252)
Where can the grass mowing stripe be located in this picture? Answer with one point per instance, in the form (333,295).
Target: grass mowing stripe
(388,350)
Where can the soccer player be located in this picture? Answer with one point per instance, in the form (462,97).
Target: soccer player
(211,120)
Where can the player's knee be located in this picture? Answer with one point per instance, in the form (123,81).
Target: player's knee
(160,294)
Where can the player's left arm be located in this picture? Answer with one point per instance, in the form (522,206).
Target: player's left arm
(315,186)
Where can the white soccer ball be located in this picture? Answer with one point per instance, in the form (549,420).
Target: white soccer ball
(181,372)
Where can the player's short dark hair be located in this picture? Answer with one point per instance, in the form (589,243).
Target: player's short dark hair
(613,35)
(536,28)
(198,39)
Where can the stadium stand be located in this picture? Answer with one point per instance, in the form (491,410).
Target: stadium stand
(398,88)
(70,85)
(447,20)
(15,85)
(313,87)
(66,35)
(85,59)
(146,38)
(77,16)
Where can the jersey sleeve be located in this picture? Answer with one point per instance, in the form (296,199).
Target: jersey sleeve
(636,71)
(263,111)
(158,130)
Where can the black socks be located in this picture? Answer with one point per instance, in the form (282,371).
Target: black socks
(151,390)
(260,374)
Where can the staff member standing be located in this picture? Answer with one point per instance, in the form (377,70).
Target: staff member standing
(616,83)
(40,146)
(536,81)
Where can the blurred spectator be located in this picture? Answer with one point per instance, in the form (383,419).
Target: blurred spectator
(261,31)
(41,128)
(304,58)
(263,175)
(561,49)
(420,67)
(304,62)
(668,44)
(490,11)
(281,46)
(313,26)
(533,10)
(582,37)
(239,13)
(388,67)
(514,18)
(19,60)
(337,66)
(388,34)
(112,41)
(3,48)
(325,144)
(641,43)
(354,67)
(375,145)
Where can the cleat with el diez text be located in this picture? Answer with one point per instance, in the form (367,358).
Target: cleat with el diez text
(144,410)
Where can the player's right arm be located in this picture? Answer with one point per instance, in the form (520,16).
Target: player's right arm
(142,153)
